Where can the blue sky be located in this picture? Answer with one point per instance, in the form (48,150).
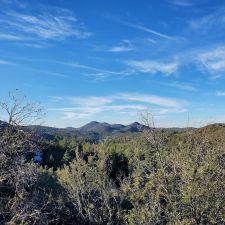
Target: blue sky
(109,61)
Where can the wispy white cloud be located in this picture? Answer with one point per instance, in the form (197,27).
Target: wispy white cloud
(135,107)
(11,37)
(150,99)
(33,45)
(99,73)
(126,97)
(83,112)
(165,111)
(183,86)
(81,66)
(4,62)
(56,74)
(45,24)
(16,3)
(203,23)
(213,61)
(213,21)
(121,49)
(99,76)
(90,100)
(152,67)
(124,46)
(148,30)
(130,103)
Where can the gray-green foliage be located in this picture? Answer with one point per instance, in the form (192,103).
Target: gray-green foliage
(149,178)
(177,179)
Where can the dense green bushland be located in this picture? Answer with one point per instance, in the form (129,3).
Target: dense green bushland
(151,178)
(147,178)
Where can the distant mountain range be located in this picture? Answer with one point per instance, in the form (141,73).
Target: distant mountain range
(93,130)
(106,128)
